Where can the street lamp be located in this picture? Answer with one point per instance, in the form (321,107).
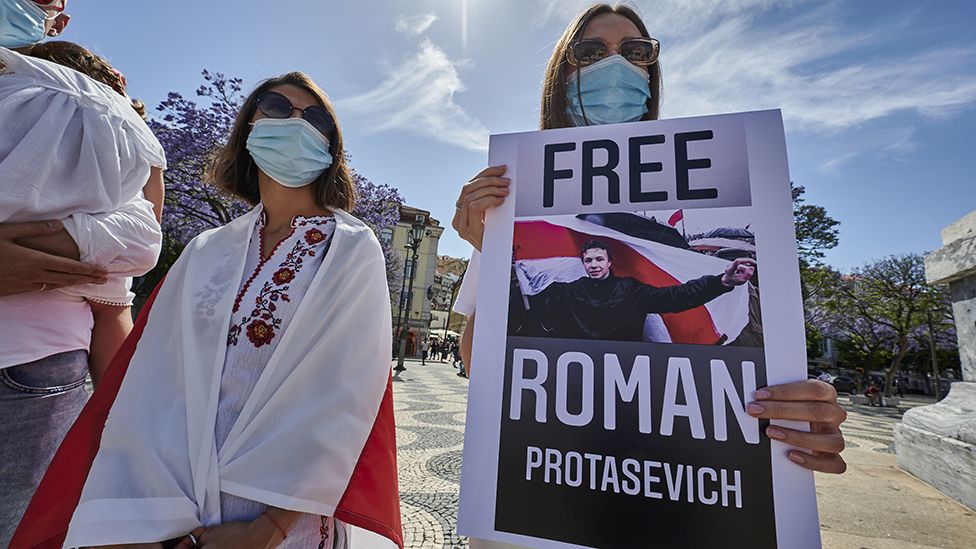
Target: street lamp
(414,238)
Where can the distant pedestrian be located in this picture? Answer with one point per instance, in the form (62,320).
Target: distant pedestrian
(874,394)
(424,349)
(456,355)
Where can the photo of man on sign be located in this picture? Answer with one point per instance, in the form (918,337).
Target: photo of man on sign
(623,288)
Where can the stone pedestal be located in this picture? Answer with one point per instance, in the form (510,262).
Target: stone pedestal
(937,443)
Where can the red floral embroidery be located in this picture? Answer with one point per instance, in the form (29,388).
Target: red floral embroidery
(324,531)
(283,276)
(262,323)
(260,333)
(314,236)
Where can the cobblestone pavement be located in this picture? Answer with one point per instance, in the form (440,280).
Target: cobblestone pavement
(872,427)
(429,403)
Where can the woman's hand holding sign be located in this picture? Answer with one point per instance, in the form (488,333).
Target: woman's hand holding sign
(486,190)
(813,401)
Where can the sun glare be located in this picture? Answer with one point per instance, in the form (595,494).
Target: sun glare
(464,24)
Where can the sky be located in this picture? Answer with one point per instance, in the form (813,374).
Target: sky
(877,96)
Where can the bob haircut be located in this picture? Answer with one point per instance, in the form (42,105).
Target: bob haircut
(234,171)
(554,100)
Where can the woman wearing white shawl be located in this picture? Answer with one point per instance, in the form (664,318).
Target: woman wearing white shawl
(257,410)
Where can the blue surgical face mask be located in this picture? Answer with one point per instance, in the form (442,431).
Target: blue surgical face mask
(613,90)
(21,23)
(290,150)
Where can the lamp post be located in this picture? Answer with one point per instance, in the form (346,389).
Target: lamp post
(402,297)
(414,238)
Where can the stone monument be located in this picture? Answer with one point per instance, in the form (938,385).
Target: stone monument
(937,443)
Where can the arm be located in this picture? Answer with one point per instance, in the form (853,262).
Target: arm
(24,269)
(263,532)
(466,339)
(59,243)
(112,325)
(155,191)
(126,241)
(674,299)
(18,239)
(700,291)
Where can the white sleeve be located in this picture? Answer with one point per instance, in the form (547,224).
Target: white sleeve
(127,242)
(468,294)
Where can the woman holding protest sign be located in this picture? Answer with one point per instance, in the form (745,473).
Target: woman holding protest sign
(604,70)
(247,419)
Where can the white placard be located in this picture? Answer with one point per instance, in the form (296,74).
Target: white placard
(606,406)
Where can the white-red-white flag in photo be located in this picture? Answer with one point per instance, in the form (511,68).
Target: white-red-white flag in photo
(676,217)
(547,250)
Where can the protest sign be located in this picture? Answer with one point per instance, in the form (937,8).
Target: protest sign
(614,354)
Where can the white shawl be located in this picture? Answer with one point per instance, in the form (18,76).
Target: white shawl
(157,474)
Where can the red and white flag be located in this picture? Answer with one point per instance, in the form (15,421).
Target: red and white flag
(676,217)
(370,501)
(547,250)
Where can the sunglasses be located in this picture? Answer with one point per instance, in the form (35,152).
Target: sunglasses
(638,51)
(274,105)
(56,5)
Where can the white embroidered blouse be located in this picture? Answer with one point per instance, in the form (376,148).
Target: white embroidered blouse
(270,293)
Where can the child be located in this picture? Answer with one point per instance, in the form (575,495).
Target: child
(110,311)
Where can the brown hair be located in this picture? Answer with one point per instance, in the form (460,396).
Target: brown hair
(234,170)
(595,245)
(554,100)
(76,57)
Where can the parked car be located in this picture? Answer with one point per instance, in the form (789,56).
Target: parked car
(843,384)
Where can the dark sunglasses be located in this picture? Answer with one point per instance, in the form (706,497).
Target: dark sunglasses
(638,51)
(274,105)
(56,5)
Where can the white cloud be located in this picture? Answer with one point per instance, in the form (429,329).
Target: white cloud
(895,144)
(414,25)
(808,71)
(419,98)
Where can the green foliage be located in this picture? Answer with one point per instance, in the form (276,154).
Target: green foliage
(881,312)
(816,231)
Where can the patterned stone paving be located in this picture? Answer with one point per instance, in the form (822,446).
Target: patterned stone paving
(430,403)
(872,427)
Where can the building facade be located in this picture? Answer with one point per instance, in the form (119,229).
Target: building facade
(414,239)
(444,284)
